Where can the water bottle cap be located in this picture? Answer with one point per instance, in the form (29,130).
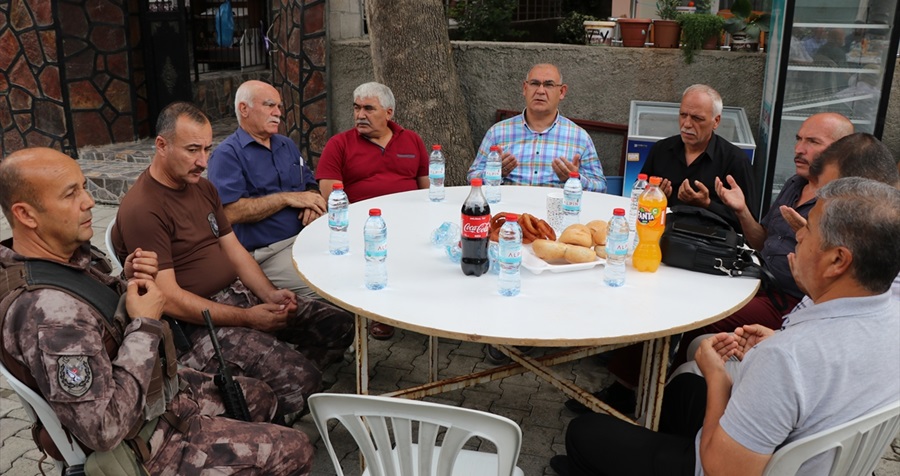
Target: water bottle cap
(655,180)
(642,176)
(495,147)
(618,212)
(436,147)
(476,182)
(375,212)
(573,174)
(337,186)
(512,217)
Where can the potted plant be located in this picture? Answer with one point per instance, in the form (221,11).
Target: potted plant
(666,31)
(745,26)
(699,30)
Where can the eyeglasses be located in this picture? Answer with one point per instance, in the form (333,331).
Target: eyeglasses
(535,84)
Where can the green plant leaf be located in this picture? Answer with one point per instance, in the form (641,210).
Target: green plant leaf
(741,8)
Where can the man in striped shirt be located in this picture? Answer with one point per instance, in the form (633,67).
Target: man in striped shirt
(540,146)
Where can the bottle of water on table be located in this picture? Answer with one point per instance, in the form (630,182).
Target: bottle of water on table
(572,192)
(493,175)
(639,185)
(375,233)
(510,256)
(338,220)
(616,249)
(436,165)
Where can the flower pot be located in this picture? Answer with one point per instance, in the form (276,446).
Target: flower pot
(634,31)
(741,42)
(599,32)
(711,43)
(666,33)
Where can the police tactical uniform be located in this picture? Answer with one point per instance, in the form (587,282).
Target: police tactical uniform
(91,363)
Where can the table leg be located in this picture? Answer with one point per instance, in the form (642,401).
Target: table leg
(432,359)
(362,355)
(653,381)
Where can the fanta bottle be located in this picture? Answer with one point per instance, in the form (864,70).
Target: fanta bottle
(651,222)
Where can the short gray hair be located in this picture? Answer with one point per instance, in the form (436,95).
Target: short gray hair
(378,91)
(863,215)
(712,93)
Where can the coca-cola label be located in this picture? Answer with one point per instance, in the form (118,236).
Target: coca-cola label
(476,227)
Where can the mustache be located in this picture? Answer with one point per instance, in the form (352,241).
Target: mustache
(363,122)
(687,131)
(276,120)
(197,170)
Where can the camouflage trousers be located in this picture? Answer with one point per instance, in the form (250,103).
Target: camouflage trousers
(218,445)
(320,332)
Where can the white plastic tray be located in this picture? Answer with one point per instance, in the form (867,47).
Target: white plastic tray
(537,266)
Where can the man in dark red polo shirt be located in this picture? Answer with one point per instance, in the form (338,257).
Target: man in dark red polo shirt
(377,157)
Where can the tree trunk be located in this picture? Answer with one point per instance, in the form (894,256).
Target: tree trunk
(411,55)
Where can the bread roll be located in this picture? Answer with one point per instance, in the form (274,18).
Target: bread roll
(577,234)
(579,254)
(600,250)
(598,231)
(548,250)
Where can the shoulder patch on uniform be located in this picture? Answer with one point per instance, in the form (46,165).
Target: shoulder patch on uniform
(74,374)
(213,224)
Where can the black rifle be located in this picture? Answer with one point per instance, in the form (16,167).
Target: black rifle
(232,393)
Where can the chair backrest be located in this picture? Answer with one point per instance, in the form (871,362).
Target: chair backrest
(367,418)
(859,445)
(38,409)
(110,251)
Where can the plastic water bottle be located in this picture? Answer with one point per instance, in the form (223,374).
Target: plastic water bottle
(454,252)
(493,175)
(510,257)
(375,233)
(446,234)
(572,200)
(338,220)
(639,185)
(436,166)
(616,249)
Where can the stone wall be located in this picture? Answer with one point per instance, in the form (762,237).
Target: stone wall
(32,111)
(214,92)
(602,82)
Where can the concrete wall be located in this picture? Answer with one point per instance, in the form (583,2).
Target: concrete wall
(602,82)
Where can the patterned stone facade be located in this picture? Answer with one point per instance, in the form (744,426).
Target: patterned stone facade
(299,62)
(72,74)
(32,96)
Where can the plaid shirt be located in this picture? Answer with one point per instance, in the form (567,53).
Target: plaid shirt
(535,152)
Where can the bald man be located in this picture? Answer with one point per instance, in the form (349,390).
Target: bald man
(104,373)
(268,192)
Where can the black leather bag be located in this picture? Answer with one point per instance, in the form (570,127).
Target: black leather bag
(699,240)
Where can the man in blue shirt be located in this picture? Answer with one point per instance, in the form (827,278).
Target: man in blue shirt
(268,192)
(540,146)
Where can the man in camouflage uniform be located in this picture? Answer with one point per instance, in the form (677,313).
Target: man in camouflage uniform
(177,213)
(100,394)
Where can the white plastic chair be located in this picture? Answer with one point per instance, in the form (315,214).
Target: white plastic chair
(110,251)
(38,408)
(859,444)
(373,420)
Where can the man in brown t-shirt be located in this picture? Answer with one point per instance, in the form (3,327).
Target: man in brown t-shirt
(174,211)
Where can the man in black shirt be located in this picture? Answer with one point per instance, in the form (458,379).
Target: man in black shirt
(690,162)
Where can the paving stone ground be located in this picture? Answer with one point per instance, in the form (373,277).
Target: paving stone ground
(400,362)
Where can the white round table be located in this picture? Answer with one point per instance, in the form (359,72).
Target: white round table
(427,293)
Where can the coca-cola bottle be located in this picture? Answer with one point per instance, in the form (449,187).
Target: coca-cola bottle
(476,229)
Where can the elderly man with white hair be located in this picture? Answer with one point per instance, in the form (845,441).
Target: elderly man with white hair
(377,157)
(268,192)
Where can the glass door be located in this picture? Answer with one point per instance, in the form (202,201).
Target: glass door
(837,56)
